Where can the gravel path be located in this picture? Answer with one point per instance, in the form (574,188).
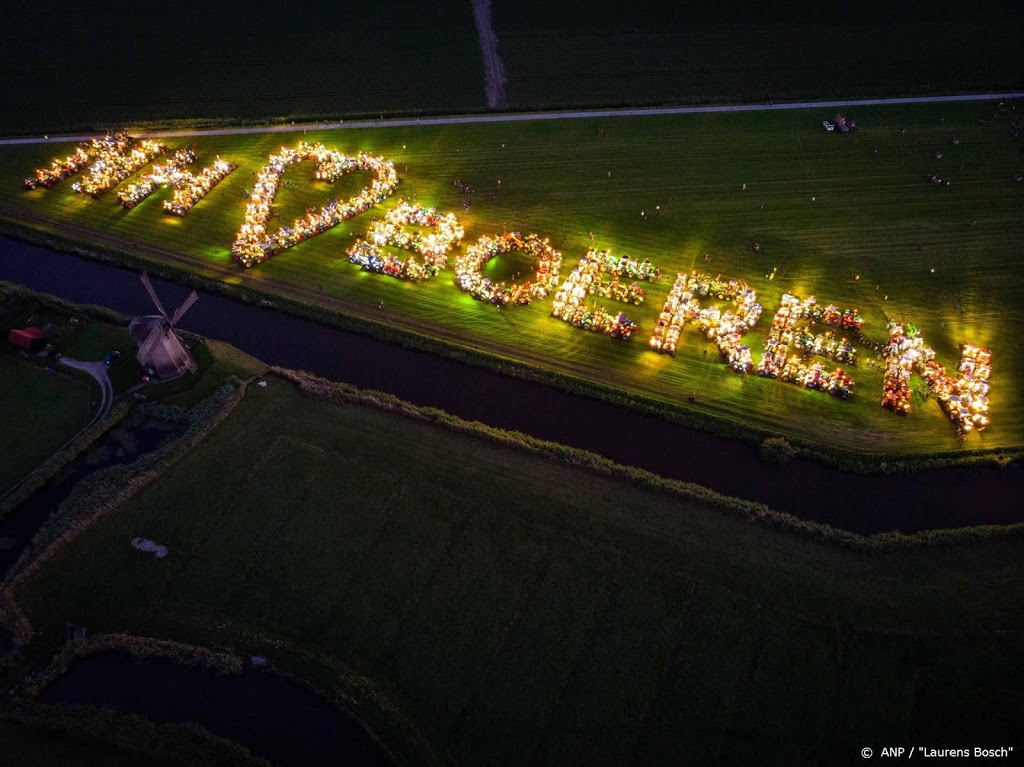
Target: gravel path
(532,116)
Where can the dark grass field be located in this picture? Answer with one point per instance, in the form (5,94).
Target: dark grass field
(68,64)
(31,746)
(570,52)
(506,609)
(39,413)
(824,209)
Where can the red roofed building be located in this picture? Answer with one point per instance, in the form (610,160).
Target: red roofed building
(29,339)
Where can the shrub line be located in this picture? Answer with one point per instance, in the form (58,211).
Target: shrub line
(597,464)
(140,648)
(52,465)
(184,743)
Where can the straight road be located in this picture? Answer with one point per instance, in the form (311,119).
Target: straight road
(534,116)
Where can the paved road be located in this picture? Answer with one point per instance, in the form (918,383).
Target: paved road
(533,116)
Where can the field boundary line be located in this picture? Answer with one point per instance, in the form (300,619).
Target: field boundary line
(509,117)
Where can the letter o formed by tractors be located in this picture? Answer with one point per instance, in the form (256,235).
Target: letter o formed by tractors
(469,268)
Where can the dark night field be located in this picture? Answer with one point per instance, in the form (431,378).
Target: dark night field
(73,64)
(470,596)
(505,609)
(40,413)
(68,65)
(613,53)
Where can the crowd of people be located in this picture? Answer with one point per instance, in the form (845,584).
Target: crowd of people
(391,231)
(469,269)
(600,273)
(798,369)
(253,244)
(108,160)
(964,398)
(188,187)
(725,328)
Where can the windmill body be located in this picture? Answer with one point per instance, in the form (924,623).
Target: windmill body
(160,347)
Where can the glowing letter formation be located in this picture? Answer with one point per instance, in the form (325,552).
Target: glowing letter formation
(800,330)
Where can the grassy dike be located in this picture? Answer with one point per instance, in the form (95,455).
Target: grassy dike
(478,596)
(33,734)
(824,209)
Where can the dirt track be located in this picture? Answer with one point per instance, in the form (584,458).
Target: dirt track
(494,70)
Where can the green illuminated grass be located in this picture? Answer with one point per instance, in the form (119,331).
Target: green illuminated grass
(824,208)
(505,608)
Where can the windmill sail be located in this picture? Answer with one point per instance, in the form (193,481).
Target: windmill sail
(152,294)
(185,306)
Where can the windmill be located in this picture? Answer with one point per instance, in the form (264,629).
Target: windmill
(160,347)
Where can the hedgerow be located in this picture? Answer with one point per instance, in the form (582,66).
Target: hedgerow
(49,468)
(186,743)
(596,464)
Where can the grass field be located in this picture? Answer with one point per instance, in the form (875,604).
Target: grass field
(216,361)
(824,209)
(69,65)
(613,53)
(507,609)
(65,65)
(40,413)
(39,746)
(47,734)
